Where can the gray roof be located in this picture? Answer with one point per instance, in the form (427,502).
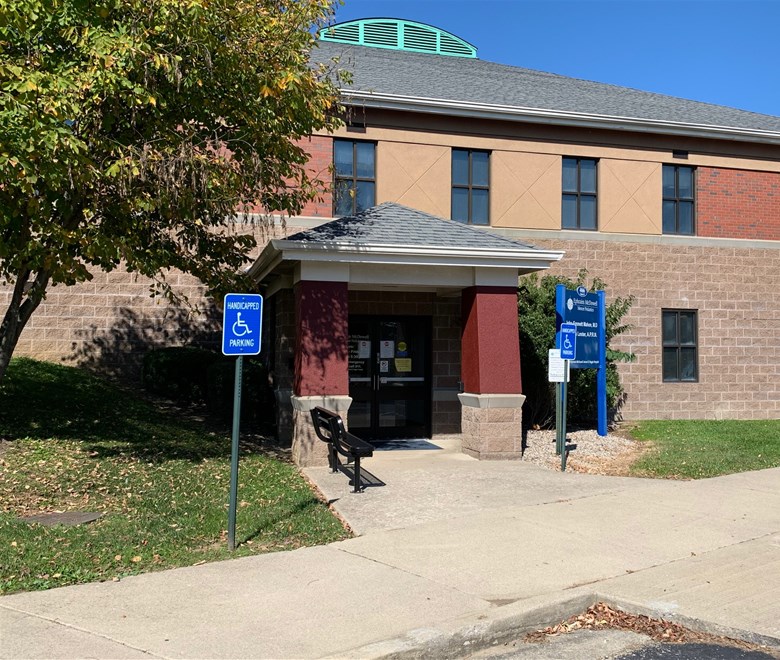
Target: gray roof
(463,80)
(394,224)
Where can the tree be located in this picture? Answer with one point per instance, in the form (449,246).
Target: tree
(133,131)
(536,319)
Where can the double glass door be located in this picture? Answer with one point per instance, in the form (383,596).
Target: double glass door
(389,377)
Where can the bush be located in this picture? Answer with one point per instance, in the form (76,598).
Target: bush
(196,375)
(257,401)
(536,319)
(178,372)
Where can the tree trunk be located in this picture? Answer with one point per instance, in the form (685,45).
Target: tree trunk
(19,311)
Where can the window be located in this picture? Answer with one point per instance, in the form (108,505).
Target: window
(471,186)
(579,194)
(678,213)
(679,332)
(355,184)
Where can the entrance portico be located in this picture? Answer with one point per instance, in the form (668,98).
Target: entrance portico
(404,323)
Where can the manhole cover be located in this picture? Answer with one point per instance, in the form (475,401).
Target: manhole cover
(62,518)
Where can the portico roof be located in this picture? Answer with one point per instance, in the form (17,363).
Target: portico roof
(394,235)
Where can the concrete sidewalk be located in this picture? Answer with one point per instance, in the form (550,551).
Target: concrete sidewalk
(453,550)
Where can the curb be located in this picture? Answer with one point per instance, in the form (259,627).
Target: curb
(465,635)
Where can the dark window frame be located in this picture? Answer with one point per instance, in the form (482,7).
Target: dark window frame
(677,200)
(471,186)
(579,194)
(354,179)
(677,345)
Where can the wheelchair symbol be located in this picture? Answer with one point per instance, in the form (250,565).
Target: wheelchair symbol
(240,328)
(566,343)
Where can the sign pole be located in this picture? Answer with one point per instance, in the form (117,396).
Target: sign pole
(601,374)
(563,418)
(242,324)
(558,411)
(234,454)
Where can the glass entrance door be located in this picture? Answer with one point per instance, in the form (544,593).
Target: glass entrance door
(389,377)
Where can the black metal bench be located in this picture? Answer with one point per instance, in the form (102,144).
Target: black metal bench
(330,429)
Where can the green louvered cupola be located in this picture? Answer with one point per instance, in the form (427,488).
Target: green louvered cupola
(397,34)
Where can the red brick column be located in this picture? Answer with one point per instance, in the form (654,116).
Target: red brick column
(321,363)
(491,404)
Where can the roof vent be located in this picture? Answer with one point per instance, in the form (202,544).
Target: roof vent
(396,34)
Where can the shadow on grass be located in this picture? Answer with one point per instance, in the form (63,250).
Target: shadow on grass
(44,401)
(284,514)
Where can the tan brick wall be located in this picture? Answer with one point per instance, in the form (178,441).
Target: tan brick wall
(492,433)
(109,322)
(737,294)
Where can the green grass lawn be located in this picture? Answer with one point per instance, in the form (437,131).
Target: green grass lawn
(72,442)
(695,449)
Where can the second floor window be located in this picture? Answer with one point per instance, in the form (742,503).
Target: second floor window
(579,194)
(678,190)
(355,176)
(471,186)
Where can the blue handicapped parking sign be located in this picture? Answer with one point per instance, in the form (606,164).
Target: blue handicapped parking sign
(568,341)
(242,322)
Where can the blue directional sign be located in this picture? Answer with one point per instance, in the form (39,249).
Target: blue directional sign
(583,310)
(242,323)
(568,341)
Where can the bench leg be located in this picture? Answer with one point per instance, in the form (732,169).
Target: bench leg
(357,488)
(333,459)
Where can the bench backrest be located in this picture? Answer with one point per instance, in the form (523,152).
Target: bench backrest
(326,424)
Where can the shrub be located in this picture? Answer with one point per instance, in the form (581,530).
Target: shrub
(536,319)
(178,372)
(195,375)
(257,401)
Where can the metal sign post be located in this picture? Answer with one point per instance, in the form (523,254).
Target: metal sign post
(242,323)
(558,373)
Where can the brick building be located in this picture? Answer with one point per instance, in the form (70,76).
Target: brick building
(673,201)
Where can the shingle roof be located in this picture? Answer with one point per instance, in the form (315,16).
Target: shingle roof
(394,224)
(415,75)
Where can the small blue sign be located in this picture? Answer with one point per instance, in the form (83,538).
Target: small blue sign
(568,341)
(242,322)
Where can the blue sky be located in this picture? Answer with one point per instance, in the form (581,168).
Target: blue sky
(718,51)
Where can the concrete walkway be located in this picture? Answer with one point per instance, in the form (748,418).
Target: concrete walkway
(452,551)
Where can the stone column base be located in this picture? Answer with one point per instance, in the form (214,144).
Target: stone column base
(491,425)
(307,449)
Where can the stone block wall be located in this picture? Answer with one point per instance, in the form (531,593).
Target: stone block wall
(108,323)
(736,292)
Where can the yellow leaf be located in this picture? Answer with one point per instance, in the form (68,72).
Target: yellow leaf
(136,559)
(118,558)
(152,101)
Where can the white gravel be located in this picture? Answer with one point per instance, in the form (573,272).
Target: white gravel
(540,447)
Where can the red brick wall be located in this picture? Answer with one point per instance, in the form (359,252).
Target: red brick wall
(320,148)
(738,204)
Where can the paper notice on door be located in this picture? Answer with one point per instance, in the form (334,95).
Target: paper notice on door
(386,348)
(364,350)
(403,365)
(383,366)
